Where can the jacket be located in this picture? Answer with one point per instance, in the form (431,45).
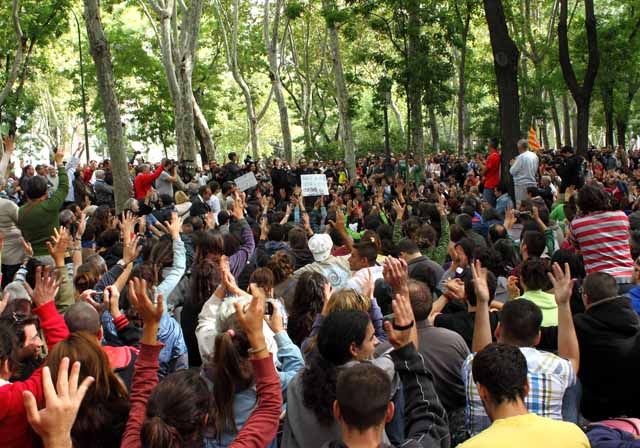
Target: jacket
(609,337)
(143,182)
(14,428)
(244,402)
(37,220)
(426,419)
(104,193)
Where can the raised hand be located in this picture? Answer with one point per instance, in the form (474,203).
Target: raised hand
(46,286)
(395,273)
(400,209)
(53,423)
(111,299)
(480,285)
(61,240)
(250,318)
(209,221)
(275,320)
(82,225)
(28,250)
(403,329)
(59,156)
(509,218)
(149,311)
(131,250)
(512,287)
(238,209)
(174,226)
(562,283)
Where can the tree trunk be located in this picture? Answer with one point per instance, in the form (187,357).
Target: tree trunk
(21,44)
(203,134)
(607,105)
(342,95)
(433,125)
(566,120)
(556,120)
(99,47)
(397,114)
(621,132)
(462,83)
(273,56)
(581,93)
(505,61)
(414,86)
(544,134)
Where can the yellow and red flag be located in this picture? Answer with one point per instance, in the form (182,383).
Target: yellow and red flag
(534,144)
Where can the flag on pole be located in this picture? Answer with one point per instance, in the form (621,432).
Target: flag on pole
(534,144)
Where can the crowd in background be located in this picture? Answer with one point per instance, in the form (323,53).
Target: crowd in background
(421,303)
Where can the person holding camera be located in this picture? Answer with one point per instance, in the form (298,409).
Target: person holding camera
(168,177)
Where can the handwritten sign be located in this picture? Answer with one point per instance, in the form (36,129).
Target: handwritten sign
(246,181)
(314,185)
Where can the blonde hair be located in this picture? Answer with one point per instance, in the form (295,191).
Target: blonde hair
(348,300)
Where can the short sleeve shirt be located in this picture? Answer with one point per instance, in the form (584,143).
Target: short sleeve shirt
(549,376)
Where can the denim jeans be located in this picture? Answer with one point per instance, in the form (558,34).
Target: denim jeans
(571,403)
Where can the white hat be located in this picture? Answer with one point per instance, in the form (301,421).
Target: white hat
(320,246)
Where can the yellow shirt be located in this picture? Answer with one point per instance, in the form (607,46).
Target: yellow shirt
(529,431)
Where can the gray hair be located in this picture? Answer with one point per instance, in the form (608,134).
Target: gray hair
(66,217)
(522,143)
(100,174)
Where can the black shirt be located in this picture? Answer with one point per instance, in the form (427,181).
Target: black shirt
(462,322)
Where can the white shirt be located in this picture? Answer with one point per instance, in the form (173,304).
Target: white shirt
(525,169)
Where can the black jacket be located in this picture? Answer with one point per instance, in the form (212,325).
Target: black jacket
(426,420)
(198,207)
(609,337)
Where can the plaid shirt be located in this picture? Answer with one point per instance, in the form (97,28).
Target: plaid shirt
(549,376)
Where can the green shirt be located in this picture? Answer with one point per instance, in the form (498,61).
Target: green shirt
(547,304)
(37,220)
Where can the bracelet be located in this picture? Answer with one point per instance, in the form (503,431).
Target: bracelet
(403,327)
(254,351)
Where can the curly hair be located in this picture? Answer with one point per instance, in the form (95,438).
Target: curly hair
(307,304)
(281,265)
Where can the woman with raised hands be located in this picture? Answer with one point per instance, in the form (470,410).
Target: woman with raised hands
(14,429)
(174,413)
(231,374)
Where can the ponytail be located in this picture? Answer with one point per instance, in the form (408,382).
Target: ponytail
(156,433)
(319,388)
(231,371)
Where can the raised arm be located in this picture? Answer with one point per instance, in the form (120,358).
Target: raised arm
(482,325)
(146,367)
(261,428)
(568,346)
(425,417)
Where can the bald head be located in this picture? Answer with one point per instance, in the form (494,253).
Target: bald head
(82,317)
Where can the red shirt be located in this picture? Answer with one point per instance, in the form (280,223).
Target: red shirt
(14,428)
(142,183)
(492,173)
(87,174)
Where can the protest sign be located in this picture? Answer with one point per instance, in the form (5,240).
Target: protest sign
(314,185)
(246,181)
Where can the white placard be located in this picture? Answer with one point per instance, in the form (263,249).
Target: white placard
(314,185)
(246,181)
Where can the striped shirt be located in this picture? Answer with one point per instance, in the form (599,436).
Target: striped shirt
(549,376)
(603,241)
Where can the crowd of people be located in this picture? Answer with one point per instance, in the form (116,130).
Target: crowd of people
(418,304)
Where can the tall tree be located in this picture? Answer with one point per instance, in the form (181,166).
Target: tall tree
(505,62)
(178,46)
(19,56)
(230,24)
(331,14)
(272,43)
(581,93)
(464,21)
(101,54)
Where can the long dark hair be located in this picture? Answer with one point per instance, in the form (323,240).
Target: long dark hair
(176,412)
(105,409)
(319,378)
(307,303)
(205,272)
(230,371)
